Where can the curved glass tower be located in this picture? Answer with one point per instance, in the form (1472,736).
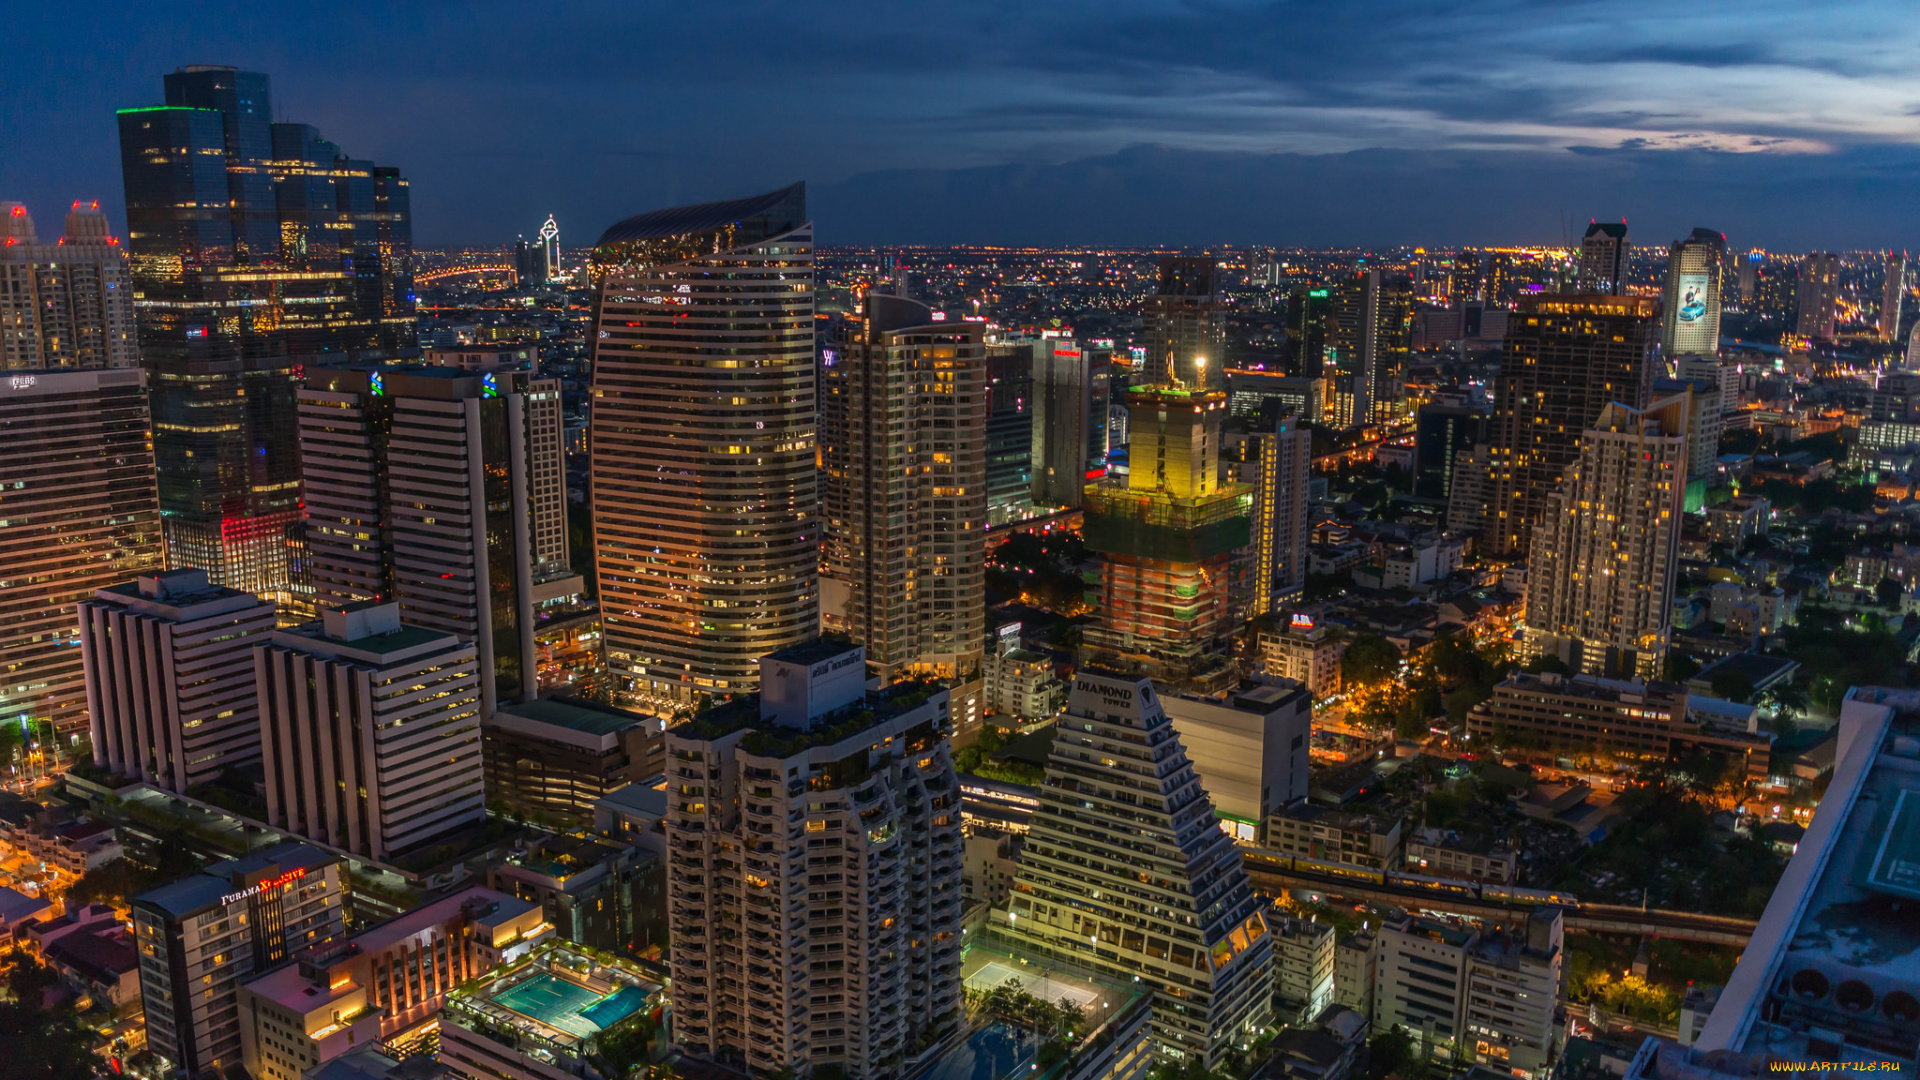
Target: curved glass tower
(702,443)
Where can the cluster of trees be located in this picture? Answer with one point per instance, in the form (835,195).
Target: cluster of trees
(1062,1025)
(977,759)
(1631,996)
(1451,676)
(1040,570)
(1837,653)
(1664,850)
(46,1043)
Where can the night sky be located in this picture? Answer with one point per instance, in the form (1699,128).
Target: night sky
(1786,125)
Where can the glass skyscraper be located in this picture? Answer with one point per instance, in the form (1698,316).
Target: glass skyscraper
(256,249)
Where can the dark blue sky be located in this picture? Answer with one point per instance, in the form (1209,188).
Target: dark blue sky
(1787,125)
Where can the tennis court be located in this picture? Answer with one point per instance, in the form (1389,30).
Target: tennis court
(1034,982)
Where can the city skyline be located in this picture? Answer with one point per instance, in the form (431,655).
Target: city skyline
(1145,124)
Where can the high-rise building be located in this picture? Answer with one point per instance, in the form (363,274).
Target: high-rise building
(310,258)
(444,490)
(1186,331)
(76,453)
(1691,317)
(1566,358)
(1166,540)
(1126,873)
(1913,348)
(66,306)
(1063,400)
(1893,293)
(550,250)
(1370,334)
(1302,968)
(1704,423)
(1750,275)
(370,731)
(1603,257)
(1606,550)
(200,937)
(1817,295)
(814,877)
(903,457)
(1440,434)
(1279,524)
(703,479)
(170,693)
(1010,410)
(1249,747)
(1307,312)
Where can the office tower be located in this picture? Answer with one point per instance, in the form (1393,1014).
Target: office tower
(1817,295)
(1175,910)
(380,983)
(311,259)
(1603,258)
(527,266)
(443,490)
(1441,433)
(1802,991)
(814,876)
(554,758)
(203,935)
(1260,395)
(169,662)
(1307,312)
(703,480)
(81,515)
(903,456)
(1605,552)
(1249,747)
(1165,539)
(1750,275)
(1279,523)
(1370,334)
(1186,331)
(1893,293)
(66,306)
(1099,409)
(1062,406)
(1565,359)
(1009,433)
(370,731)
(1691,323)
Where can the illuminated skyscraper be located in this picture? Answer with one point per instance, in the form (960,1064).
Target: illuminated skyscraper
(1893,292)
(1369,332)
(1009,432)
(1817,295)
(1166,538)
(1186,334)
(1603,257)
(440,489)
(1307,311)
(1691,318)
(1750,275)
(311,259)
(903,457)
(1566,358)
(1063,400)
(550,248)
(1127,873)
(704,481)
(1606,551)
(1280,513)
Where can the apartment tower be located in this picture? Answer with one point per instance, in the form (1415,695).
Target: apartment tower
(904,459)
(704,479)
(1605,553)
(1691,318)
(814,870)
(1127,874)
(1565,359)
(1603,257)
(1893,294)
(65,306)
(443,490)
(170,692)
(370,731)
(1370,337)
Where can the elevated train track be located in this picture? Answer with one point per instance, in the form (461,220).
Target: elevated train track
(1272,871)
